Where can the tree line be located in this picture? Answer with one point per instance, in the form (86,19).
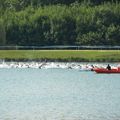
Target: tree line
(59,22)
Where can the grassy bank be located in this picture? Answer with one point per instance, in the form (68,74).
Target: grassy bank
(62,55)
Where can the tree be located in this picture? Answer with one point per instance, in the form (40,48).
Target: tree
(2,33)
(113,35)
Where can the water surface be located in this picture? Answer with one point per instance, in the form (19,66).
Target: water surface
(58,94)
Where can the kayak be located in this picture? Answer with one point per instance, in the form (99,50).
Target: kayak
(104,70)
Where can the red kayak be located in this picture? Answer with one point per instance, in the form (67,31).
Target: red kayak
(104,70)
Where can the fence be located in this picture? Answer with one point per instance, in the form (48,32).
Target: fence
(59,47)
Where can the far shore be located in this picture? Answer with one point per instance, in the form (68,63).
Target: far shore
(57,60)
(60,55)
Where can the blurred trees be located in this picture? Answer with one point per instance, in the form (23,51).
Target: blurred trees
(2,33)
(41,22)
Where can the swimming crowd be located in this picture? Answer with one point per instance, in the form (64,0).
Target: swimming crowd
(46,65)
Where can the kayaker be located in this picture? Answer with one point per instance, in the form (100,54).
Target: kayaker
(108,67)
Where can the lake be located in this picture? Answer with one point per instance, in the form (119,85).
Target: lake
(58,94)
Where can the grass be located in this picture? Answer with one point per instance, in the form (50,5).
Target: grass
(62,55)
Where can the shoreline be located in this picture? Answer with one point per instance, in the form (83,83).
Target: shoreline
(59,60)
(60,55)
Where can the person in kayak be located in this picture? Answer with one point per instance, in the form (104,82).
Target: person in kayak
(108,67)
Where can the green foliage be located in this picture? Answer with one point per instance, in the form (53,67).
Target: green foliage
(2,33)
(91,38)
(21,4)
(30,22)
(113,35)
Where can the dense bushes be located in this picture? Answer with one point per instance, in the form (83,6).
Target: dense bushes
(75,24)
(21,4)
(2,33)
